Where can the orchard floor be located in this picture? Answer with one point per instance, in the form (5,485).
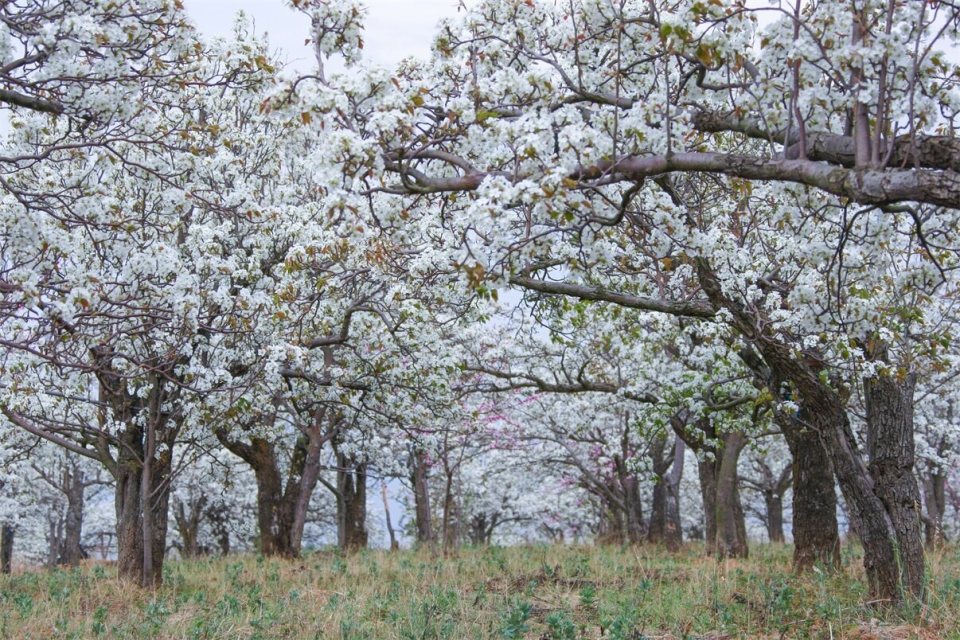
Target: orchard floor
(539,592)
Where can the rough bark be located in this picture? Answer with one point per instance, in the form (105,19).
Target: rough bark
(773,505)
(351,503)
(54,538)
(829,419)
(274,513)
(141,468)
(610,529)
(482,527)
(725,531)
(890,443)
(930,152)
(656,532)
(707,473)
(861,184)
(772,487)
(451,520)
(633,508)
(219,520)
(816,534)
(673,535)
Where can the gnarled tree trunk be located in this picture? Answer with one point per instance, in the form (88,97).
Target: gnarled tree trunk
(883,516)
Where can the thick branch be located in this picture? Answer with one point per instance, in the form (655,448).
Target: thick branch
(691,308)
(928,152)
(30,102)
(866,186)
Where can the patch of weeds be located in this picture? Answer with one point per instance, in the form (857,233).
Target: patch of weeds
(228,606)
(561,627)
(496,557)
(234,572)
(588,596)
(24,604)
(98,621)
(155,614)
(428,620)
(513,623)
(778,598)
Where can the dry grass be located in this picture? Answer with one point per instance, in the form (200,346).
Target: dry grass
(560,593)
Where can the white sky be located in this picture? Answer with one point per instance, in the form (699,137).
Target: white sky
(394,30)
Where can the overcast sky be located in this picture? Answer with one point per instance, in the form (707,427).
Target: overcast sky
(394,28)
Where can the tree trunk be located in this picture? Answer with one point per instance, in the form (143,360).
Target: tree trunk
(274,515)
(773,507)
(665,526)
(730,525)
(657,530)
(54,538)
(877,531)
(281,509)
(71,552)
(220,526)
(421,499)
(889,404)
(351,503)
(707,471)
(633,508)
(935,498)
(451,526)
(816,535)
(188,525)
(610,528)
(478,529)
(140,472)
(6,547)
(130,509)
(673,535)
(128,505)
(394,545)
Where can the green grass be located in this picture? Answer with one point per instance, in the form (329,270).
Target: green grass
(540,592)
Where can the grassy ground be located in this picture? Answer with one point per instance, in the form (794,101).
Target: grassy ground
(541,593)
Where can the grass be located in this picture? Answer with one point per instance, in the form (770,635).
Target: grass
(539,592)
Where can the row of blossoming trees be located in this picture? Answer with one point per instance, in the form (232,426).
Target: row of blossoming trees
(529,276)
